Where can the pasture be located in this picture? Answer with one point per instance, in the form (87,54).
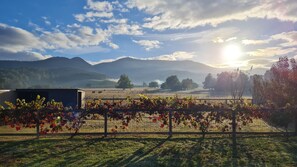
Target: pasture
(148,151)
(150,92)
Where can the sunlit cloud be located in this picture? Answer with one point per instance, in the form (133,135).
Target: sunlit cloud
(271,51)
(148,44)
(83,50)
(92,16)
(175,14)
(254,42)
(178,55)
(15,39)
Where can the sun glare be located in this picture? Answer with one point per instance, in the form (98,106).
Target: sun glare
(231,53)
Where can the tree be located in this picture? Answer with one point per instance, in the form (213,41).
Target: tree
(209,82)
(173,83)
(2,81)
(188,84)
(124,82)
(239,84)
(164,86)
(278,87)
(224,80)
(235,82)
(144,84)
(279,84)
(153,84)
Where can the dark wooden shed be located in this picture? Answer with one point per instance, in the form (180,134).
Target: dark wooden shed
(69,97)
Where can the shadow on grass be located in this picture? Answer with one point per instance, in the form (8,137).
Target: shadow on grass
(291,147)
(136,156)
(176,151)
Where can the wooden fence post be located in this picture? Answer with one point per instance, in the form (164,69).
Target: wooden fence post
(38,125)
(105,123)
(234,142)
(295,122)
(170,123)
(234,125)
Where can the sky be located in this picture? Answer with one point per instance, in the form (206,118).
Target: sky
(220,33)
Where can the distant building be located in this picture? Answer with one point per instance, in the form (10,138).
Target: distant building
(69,97)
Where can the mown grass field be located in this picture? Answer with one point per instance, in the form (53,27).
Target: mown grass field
(148,151)
(150,92)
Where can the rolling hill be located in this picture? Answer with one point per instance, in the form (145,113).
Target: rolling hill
(148,70)
(76,72)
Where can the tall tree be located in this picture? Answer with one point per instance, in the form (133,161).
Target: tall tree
(234,82)
(188,84)
(279,87)
(172,82)
(209,82)
(224,80)
(144,84)
(239,84)
(124,82)
(279,84)
(153,84)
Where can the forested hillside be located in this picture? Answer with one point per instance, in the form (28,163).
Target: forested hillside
(55,78)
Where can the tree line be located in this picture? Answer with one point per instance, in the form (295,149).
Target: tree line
(172,82)
(235,82)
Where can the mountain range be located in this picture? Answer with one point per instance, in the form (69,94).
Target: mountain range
(76,72)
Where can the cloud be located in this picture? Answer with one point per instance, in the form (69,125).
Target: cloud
(92,16)
(113,45)
(99,5)
(75,25)
(218,40)
(175,56)
(254,42)
(289,38)
(221,40)
(176,14)
(113,20)
(261,63)
(178,55)
(83,50)
(125,29)
(148,44)
(119,7)
(108,60)
(46,21)
(79,37)
(206,36)
(22,56)
(271,51)
(99,9)
(15,40)
(282,44)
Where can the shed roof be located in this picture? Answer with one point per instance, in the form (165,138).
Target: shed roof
(49,89)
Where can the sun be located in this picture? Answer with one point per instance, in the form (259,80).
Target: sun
(231,53)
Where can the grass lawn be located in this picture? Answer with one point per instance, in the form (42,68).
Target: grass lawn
(147,151)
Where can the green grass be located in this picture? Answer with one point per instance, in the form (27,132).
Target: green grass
(148,151)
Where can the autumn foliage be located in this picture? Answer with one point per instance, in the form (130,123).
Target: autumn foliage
(53,117)
(278,88)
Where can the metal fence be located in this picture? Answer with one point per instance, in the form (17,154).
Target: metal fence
(103,125)
(167,130)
